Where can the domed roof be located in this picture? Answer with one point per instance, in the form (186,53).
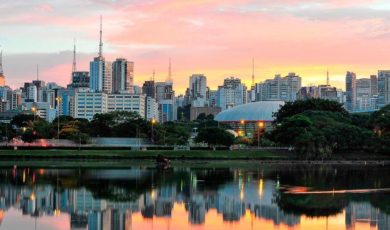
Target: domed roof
(254,111)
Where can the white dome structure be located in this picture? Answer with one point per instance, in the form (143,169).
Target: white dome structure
(250,119)
(251,112)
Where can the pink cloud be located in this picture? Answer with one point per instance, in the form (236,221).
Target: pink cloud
(219,38)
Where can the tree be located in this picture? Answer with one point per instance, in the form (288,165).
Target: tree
(290,109)
(214,136)
(22,120)
(318,134)
(379,123)
(119,124)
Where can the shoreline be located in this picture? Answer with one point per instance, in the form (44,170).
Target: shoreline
(126,158)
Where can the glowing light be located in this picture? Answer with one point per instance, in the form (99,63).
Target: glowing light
(261,188)
(153,194)
(261,124)
(32,196)
(57,212)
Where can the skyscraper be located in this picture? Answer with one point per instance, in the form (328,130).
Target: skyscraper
(2,77)
(350,88)
(363,94)
(374,85)
(383,88)
(279,88)
(198,90)
(122,76)
(149,89)
(231,93)
(100,70)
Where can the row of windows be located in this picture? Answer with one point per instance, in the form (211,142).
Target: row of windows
(112,97)
(126,108)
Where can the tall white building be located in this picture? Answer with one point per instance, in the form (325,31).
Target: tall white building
(100,75)
(88,103)
(279,88)
(100,71)
(126,102)
(16,99)
(32,93)
(363,95)
(151,109)
(231,93)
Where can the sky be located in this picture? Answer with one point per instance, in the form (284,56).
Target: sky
(211,37)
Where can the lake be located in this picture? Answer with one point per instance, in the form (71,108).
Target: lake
(199,197)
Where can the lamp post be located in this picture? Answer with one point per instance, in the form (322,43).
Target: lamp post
(261,126)
(153,122)
(34,110)
(243,124)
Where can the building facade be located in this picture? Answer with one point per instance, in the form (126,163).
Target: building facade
(122,76)
(383,88)
(350,91)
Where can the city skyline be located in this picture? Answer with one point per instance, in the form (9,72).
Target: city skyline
(299,41)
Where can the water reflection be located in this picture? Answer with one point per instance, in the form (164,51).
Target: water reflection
(184,198)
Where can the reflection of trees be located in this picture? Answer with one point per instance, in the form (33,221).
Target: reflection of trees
(329,177)
(312,205)
(126,189)
(381,201)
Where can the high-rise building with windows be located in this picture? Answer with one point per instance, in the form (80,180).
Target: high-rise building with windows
(231,93)
(100,71)
(122,76)
(350,91)
(363,95)
(165,97)
(383,88)
(198,90)
(374,85)
(149,89)
(279,88)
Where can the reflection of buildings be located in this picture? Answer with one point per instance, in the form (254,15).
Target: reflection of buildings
(232,200)
(357,212)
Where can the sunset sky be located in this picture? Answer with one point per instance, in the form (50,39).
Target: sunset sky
(216,38)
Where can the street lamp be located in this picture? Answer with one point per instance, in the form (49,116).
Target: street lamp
(153,122)
(261,127)
(243,124)
(33,110)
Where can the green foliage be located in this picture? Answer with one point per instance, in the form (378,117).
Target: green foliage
(214,136)
(22,120)
(379,122)
(172,133)
(318,134)
(292,108)
(119,124)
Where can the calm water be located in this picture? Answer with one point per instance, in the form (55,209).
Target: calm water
(268,197)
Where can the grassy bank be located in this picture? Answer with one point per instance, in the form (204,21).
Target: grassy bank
(128,154)
(200,155)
